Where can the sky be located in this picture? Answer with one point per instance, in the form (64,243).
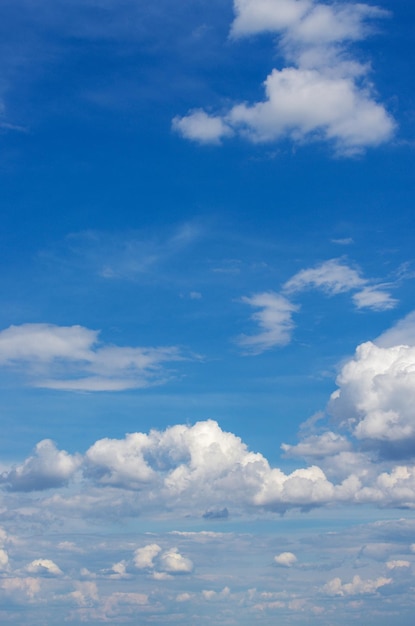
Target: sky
(207,321)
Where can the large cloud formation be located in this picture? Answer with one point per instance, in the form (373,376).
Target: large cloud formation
(323,94)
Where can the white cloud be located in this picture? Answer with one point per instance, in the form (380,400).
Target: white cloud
(376,394)
(172,562)
(256,16)
(318,446)
(47,468)
(274,320)
(44,567)
(144,557)
(286,559)
(70,358)
(402,333)
(374,298)
(304,104)
(357,586)
(29,587)
(201,127)
(320,95)
(398,564)
(334,277)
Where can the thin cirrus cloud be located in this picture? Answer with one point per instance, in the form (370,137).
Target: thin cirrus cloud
(322,94)
(71,358)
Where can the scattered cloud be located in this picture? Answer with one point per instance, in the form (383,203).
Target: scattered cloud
(72,359)
(357,586)
(143,557)
(274,319)
(322,94)
(334,277)
(44,567)
(285,559)
(201,127)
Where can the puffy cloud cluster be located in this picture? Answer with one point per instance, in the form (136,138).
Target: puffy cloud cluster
(357,586)
(71,358)
(322,94)
(194,469)
(170,561)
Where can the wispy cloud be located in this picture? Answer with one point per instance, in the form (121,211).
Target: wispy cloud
(334,277)
(71,358)
(274,319)
(321,95)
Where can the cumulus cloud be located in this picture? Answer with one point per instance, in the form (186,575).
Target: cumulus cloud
(172,562)
(71,358)
(285,559)
(44,567)
(357,586)
(143,557)
(47,468)
(274,319)
(322,93)
(376,395)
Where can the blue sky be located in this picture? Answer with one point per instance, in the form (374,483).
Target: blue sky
(207,330)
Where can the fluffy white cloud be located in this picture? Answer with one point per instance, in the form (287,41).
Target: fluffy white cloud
(201,127)
(47,468)
(144,557)
(44,567)
(305,104)
(320,95)
(172,562)
(357,586)
(274,319)
(70,358)
(286,559)
(376,394)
